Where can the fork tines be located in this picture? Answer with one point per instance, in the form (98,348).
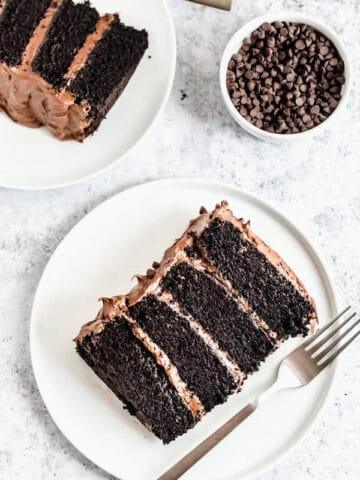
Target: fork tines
(332,344)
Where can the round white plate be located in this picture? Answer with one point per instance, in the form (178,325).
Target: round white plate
(34,159)
(121,237)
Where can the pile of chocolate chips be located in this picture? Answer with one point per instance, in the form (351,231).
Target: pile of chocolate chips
(286,78)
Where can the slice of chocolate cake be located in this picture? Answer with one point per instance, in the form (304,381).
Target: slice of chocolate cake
(62,65)
(206,317)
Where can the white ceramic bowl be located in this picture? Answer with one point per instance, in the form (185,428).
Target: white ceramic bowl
(234,45)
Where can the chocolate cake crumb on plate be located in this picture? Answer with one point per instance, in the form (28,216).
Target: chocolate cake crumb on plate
(206,317)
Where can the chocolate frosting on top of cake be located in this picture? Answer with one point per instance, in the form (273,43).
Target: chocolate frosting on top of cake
(112,308)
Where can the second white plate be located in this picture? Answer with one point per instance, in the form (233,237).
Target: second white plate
(34,159)
(98,258)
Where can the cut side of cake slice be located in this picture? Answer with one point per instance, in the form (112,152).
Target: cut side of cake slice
(209,314)
(256,273)
(132,373)
(63,65)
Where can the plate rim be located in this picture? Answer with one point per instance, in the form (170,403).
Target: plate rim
(267,206)
(57,185)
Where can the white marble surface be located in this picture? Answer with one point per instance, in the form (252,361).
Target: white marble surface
(317,183)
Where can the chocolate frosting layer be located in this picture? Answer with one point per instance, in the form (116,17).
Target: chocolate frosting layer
(116,307)
(103,24)
(40,34)
(29,100)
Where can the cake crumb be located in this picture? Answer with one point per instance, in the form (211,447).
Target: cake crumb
(183,95)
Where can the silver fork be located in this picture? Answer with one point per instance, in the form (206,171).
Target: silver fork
(299,368)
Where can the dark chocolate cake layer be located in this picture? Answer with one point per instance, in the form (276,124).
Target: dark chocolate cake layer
(209,313)
(131,372)
(109,68)
(17,24)
(271,295)
(62,65)
(66,35)
(219,314)
(196,364)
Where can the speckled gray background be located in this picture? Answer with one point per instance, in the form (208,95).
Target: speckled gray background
(316,182)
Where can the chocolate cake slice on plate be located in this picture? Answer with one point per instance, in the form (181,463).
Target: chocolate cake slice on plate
(63,65)
(202,320)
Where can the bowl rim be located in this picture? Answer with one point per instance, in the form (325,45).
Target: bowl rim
(284,15)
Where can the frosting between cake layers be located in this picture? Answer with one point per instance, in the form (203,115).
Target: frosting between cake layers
(103,24)
(190,399)
(116,307)
(204,266)
(225,214)
(39,34)
(223,357)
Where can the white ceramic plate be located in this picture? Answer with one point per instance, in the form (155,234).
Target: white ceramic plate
(98,257)
(34,159)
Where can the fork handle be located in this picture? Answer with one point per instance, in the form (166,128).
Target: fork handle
(210,442)
(222,4)
(285,379)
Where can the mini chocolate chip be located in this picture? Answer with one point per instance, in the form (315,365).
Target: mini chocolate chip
(324,50)
(237,57)
(311,101)
(333,103)
(290,77)
(315,110)
(250,74)
(300,44)
(266,26)
(270,42)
